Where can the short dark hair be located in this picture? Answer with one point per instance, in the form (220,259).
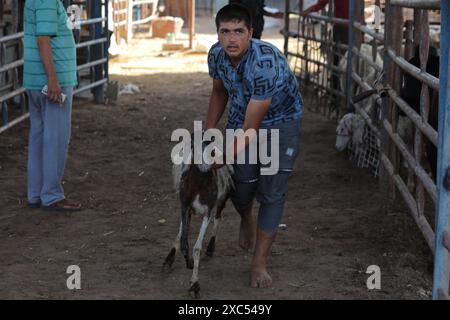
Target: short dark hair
(234,12)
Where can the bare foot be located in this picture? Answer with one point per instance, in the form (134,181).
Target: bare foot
(247,234)
(260,279)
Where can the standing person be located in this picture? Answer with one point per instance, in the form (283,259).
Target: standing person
(49,60)
(258,11)
(340,32)
(263,92)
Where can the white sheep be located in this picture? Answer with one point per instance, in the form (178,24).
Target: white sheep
(350,129)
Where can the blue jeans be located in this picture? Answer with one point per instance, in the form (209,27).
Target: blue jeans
(269,190)
(50,125)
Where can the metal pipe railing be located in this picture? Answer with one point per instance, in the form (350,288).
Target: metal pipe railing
(11,37)
(14,122)
(425,77)
(420,220)
(424,127)
(441,276)
(418,4)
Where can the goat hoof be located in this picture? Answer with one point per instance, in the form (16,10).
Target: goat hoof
(195,289)
(169,260)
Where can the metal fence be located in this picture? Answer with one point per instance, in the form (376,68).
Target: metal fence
(406,57)
(12,95)
(92,43)
(130,13)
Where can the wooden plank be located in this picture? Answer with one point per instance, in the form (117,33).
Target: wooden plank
(172,46)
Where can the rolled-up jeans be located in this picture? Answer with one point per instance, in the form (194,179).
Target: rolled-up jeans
(269,190)
(50,125)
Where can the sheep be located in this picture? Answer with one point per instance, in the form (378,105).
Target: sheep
(368,73)
(373,15)
(203,191)
(350,129)
(410,93)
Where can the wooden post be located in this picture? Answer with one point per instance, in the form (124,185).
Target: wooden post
(441,262)
(351,40)
(286,26)
(97,52)
(191,13)
(129,20)
(392,40)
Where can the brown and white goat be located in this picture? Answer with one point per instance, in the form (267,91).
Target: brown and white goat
(204,192)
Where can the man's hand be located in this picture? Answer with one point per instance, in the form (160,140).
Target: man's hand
(306,12)
(54,90)
(278,15)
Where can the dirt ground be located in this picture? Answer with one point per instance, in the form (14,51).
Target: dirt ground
(119,167)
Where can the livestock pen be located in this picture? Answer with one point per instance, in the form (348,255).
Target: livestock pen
(383,146)
(333,229)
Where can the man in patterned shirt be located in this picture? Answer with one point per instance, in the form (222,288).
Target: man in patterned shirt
(49,60)
(254,77)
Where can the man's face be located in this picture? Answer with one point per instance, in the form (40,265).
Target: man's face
(235,38)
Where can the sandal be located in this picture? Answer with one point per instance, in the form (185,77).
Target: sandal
(63,205)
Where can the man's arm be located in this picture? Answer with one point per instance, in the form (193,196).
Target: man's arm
(256,111)
(217,103)
(277,15)
(45,50)
(47,27)
(319,6)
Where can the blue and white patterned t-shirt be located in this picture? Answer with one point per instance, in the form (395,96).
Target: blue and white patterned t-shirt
(263,72)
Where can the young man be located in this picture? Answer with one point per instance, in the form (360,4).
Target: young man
(50,60)
(263,93)
(257,10)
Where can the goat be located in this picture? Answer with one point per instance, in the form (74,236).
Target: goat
(204,192)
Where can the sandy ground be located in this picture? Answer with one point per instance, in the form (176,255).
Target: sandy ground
(119,167)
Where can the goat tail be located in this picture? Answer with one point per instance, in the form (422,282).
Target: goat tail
(225,182)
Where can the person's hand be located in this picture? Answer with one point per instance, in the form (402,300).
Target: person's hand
(279,15)
(305,13)
(54,90)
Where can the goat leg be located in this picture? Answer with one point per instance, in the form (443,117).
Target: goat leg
(195,287)
(184,241)
(212,242)
(175,247)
